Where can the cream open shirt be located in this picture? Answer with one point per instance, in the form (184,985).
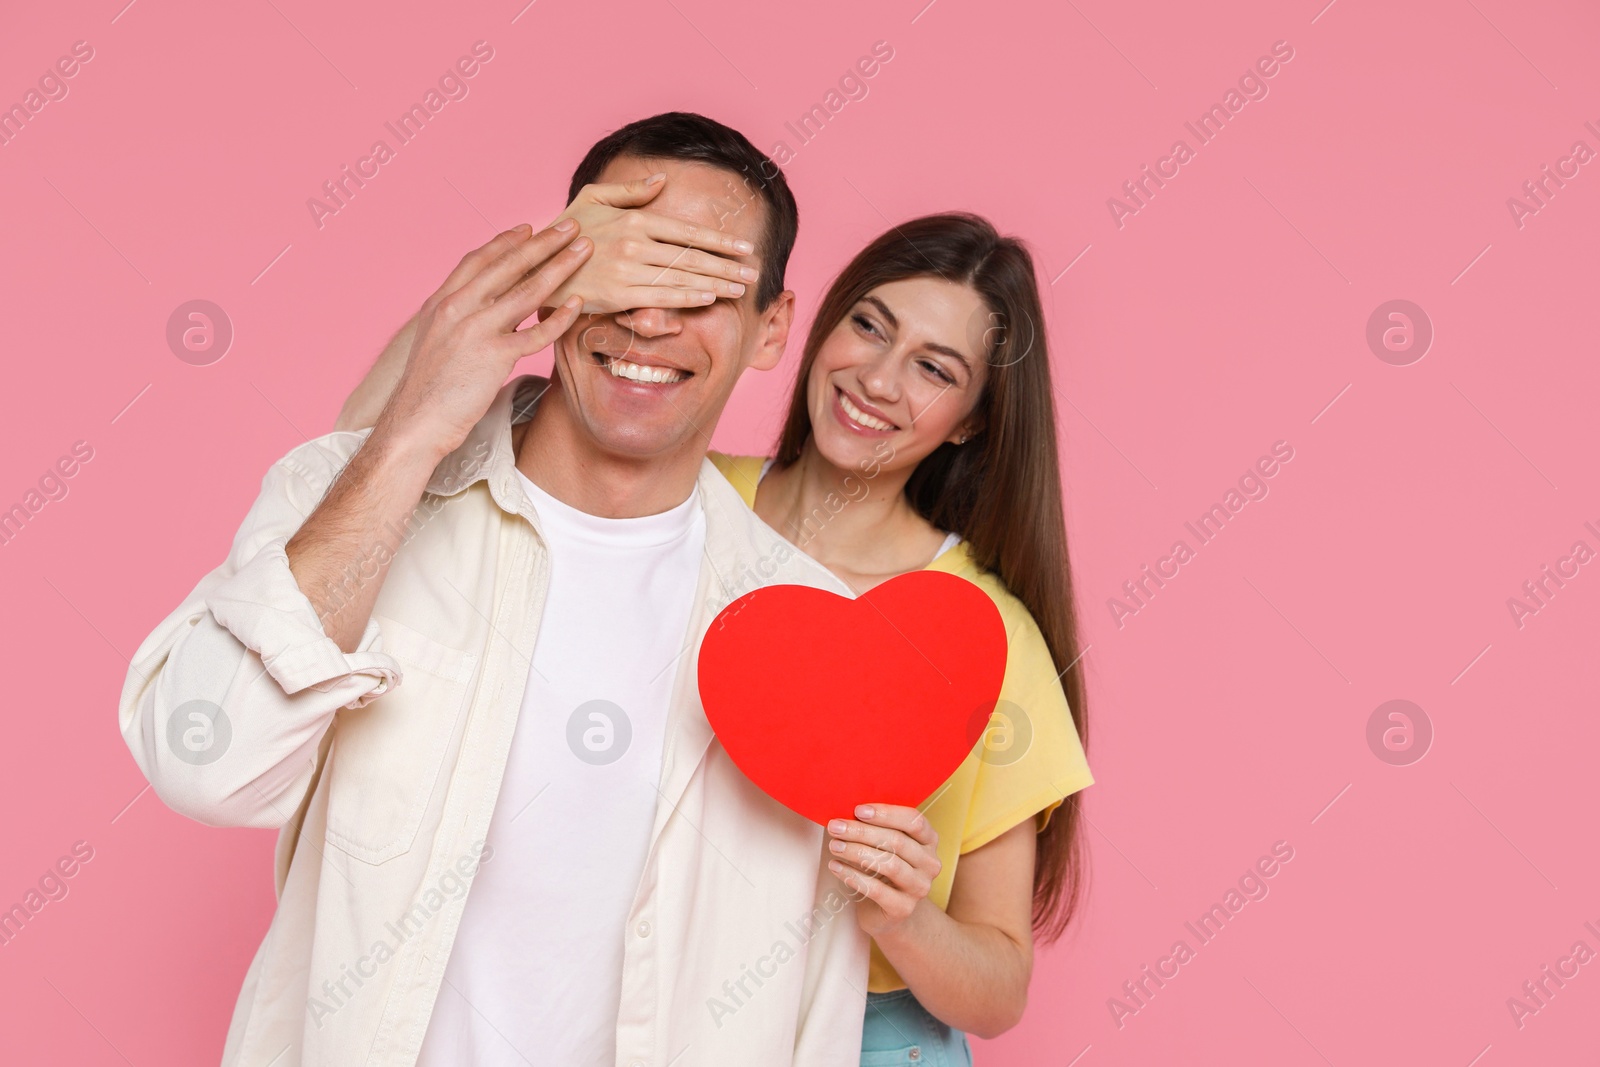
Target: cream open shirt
(381,767)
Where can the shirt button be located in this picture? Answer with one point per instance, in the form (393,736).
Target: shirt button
(644,931)
(915,1053)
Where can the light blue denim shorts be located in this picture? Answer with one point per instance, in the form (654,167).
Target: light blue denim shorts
(899,1032)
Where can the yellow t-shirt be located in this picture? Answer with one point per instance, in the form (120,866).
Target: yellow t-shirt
(1030,758)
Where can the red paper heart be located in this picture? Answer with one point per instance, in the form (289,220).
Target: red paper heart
(827,702)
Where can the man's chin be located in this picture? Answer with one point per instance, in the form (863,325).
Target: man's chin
(642,435)
(638,419)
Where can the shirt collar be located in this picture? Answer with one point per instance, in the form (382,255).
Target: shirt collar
(487,453)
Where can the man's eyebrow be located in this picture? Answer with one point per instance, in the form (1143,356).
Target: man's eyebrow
(883,309)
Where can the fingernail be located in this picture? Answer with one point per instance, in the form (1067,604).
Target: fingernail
(743,246)
(582,244)
(706,298)
(523,228)
(566,225)
(736,289)
(836,826)
(837,846)
(835,866)
(749,274)
(573,302)
(654,178)
(864,811)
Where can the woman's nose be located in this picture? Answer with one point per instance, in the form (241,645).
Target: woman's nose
(881,378)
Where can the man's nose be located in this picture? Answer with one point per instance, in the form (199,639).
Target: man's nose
(650,322)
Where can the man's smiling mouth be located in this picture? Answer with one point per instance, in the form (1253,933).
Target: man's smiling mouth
(639,372)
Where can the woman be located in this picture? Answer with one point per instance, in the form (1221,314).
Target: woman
(921,434)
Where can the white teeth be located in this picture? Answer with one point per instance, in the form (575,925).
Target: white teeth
(635,372)
(860,416)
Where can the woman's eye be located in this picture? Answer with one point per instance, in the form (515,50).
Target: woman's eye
(864,323)
(938,372)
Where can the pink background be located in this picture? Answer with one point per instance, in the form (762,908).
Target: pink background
(1227,314)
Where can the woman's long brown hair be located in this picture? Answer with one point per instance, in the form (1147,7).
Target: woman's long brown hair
(1001,491)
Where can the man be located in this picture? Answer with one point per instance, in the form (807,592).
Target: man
(460,649)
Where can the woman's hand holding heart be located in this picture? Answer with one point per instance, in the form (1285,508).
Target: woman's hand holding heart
(887,855)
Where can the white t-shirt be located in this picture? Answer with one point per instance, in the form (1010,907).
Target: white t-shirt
(535,975)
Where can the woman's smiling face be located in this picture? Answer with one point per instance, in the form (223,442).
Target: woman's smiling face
(906,365)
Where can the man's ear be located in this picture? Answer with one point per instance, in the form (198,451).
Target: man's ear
(773,331)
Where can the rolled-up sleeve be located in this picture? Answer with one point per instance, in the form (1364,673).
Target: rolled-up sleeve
(226,703)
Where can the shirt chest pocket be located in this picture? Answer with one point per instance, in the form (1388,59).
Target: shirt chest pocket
(388,757)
